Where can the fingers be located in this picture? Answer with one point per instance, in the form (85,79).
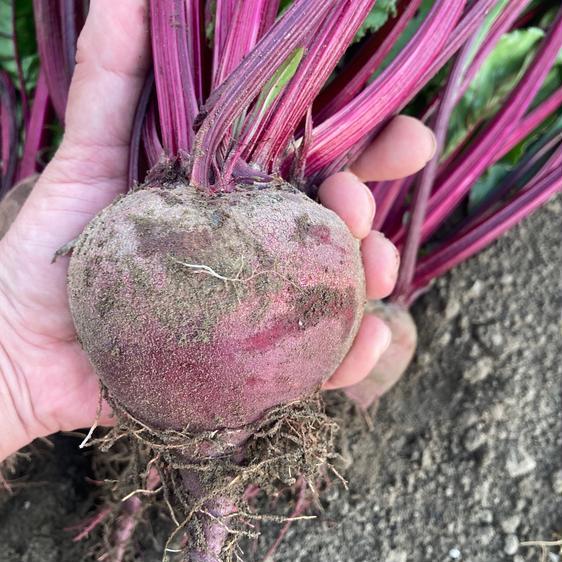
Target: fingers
(372,340)
(351,199)
(381,262)
(111,63)
(403,148)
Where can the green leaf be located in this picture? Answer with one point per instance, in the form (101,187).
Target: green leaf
(496,79)
(534,141)
(379,15)
(25,34)
(279,80)
(271,90)
(485,28)
(542,135)
(487,183)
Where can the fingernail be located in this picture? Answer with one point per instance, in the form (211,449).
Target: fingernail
(434,144)
(371,199)
(388,338)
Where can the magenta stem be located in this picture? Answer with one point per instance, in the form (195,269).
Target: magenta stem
(338,134)
(487,206)
(357,73)
(69,17)
(531,121)
(36,133)
(136,135)
(234,96)
(153,148)
(50,44)
(195,17)
(503,24)
(325,49)
(8,133)
(224,12)
(19,68)
(243,33)
(422,192)
(385,198)
(484,149)
(177,99)
(481,235)
(395,218)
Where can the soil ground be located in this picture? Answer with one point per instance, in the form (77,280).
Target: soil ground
(465,457)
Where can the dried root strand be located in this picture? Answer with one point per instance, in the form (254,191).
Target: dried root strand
(293,444)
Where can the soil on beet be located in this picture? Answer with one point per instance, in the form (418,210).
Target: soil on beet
(464,460)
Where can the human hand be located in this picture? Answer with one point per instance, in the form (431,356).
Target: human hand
(46,381)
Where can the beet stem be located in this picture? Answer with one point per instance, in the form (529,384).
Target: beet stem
(422,191)
(397,84)
(523,204)
(354,76)
(482,153)
(9,133)
(50,43)
(36,133)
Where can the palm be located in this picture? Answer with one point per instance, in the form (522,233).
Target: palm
(40,304)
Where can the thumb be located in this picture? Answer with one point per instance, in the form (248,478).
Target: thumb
(90,167)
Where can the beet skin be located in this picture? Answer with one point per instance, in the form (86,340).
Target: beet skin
(203,312)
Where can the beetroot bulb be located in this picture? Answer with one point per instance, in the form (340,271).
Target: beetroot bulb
(205,311)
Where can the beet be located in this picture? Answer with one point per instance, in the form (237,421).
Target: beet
(13,202)
(394,361)
(204,311)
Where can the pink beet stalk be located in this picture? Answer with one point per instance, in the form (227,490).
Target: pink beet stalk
(51,43)
(324,52)
(448,193)
(249,22)
(174,75)
(423,189)
(482,234)
(36,133)
(9,133)
(388,92)
(235,95)
(357,73)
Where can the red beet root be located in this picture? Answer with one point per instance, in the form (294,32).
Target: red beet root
(394,361)
(203,312)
